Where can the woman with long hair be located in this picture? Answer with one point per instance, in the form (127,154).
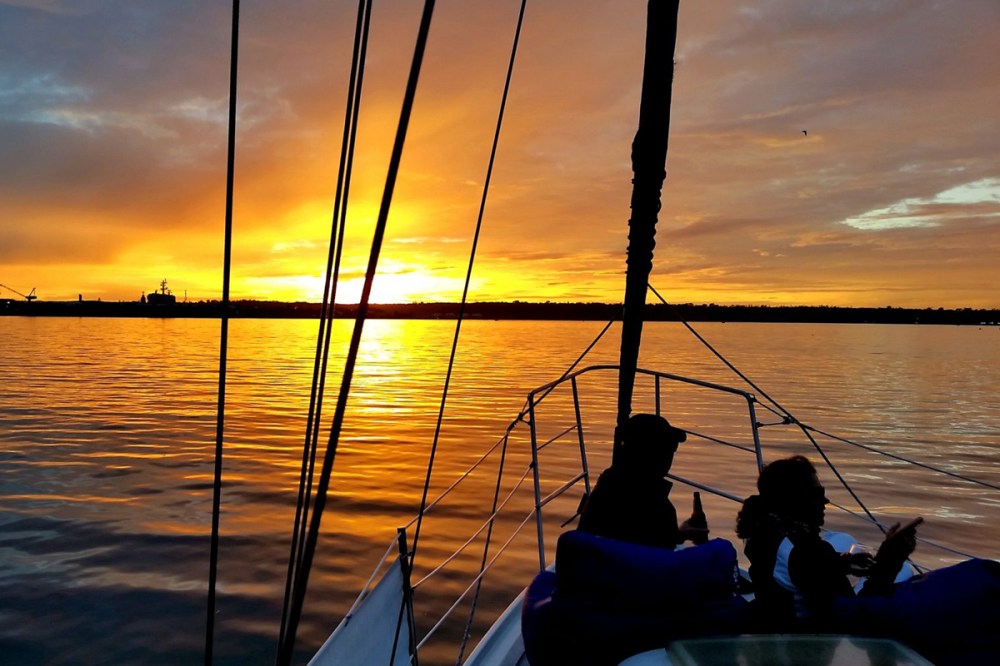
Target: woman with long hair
(797,576)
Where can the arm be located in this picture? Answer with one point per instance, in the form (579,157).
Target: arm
(820,575)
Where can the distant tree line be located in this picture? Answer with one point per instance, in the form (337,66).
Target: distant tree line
(515,310)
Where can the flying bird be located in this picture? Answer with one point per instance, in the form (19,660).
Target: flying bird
(805,133)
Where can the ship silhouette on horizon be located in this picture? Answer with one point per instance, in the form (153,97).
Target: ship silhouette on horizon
(161,297)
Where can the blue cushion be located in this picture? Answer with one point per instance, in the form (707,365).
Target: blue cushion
(608,600)
(951,615)
(630,577)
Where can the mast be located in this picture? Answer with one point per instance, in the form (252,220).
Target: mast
(649,157)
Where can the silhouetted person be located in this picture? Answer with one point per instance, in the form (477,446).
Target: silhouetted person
(630,501)
(796,574)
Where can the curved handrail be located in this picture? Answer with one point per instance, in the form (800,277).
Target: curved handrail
(643,371)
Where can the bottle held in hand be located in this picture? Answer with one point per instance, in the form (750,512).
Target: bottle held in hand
(698,520)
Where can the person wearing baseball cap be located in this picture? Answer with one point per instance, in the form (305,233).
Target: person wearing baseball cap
(630,501)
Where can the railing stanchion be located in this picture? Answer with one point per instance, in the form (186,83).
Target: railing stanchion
(538,486)
(657,389)
(579,433)
(756,433)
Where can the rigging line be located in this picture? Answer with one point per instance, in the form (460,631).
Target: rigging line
(340,224)
(330,284)
(579,359)
(920,539)
(840,477)
(329,299)
(556,438)
(339,254)
(489,566)
(302,575)
(468,278)
(910,461)
(806,429)
(718,354)
(785,419)
(213,567)
(552,387)
(485,526)
(721,442)
(783,411)
(466,474)
(486,548)
(788,419)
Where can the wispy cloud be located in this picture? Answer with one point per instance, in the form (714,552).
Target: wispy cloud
(970,200)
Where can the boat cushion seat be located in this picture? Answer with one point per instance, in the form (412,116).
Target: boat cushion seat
(608,600)
(637,578)
(950,615)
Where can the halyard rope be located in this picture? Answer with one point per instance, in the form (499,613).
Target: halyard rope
(327,313)
(302,574)
(468,276)
(213,566)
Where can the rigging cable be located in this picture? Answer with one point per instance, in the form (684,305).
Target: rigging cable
(579,359)
(808,430)
(461,315)
(312,536)
(468,276)
(327,313)
(789,419)
(784,411)
(915,463)
(213,566)
(496,492)
(486,553)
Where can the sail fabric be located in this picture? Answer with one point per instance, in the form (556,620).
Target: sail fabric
(367,634)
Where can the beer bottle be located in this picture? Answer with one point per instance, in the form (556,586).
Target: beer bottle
(698,519)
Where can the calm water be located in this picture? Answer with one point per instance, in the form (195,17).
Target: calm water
(107,430)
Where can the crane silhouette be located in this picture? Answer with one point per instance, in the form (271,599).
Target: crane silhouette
(30,296)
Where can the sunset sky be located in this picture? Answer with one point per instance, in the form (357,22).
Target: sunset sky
(113,139)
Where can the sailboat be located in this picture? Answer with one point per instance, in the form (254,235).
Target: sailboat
(386,625)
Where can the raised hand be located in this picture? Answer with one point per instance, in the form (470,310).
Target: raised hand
(899,543)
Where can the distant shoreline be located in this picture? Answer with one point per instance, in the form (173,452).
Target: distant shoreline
(512,311)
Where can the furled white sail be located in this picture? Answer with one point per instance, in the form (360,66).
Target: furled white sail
(369,631)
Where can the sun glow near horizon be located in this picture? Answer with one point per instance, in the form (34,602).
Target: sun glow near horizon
(405,285)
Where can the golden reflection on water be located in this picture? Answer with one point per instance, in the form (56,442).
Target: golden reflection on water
(109,429)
